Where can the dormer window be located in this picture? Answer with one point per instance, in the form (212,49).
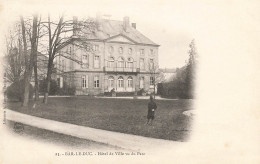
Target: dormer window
(120,50)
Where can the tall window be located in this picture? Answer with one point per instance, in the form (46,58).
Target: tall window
(84,82)
(121,62)
(151,63)
(130,82)
(120,82)
(151,80)
(88,47)
(96,81)
(111,82)
(84,61)
(141,51)
(96,62)
(95,47)
(110,62)
(142,63)
(130,63)
(142,82)
(63,65)
(61,82)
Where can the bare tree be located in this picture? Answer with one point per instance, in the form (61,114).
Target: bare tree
(57,39)
(36,90)
(156,74)
(14,65)
(29,63)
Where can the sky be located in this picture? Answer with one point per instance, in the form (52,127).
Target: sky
(163,22)
(170,23)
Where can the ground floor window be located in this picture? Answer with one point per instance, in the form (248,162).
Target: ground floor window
(130,82)
(111,82)
(84,81)
(96,81)
(151,80)
(120,82)
(142,82)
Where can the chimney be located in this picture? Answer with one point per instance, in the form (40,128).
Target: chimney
(134,25)
(75,25)
(99,21)
(126,23)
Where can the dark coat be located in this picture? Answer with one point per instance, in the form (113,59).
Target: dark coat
(151,105)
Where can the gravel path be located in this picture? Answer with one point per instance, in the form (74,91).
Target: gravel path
(125,141)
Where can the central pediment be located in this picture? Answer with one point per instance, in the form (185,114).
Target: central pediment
(120,39)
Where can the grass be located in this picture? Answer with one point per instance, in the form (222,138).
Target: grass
(120,115)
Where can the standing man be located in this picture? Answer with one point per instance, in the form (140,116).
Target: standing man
(151,109)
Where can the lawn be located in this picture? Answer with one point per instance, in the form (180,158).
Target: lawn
(120,115)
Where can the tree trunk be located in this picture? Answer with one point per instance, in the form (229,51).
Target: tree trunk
(53,42)
(26,93)
(36,89)
(48,81)
(36,66)
(30,64)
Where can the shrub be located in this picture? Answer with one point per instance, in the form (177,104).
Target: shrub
(140,92)
(16,91)
(53,87)
(119,94)
(66,90)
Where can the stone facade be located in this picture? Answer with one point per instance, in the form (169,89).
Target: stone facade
(121,62)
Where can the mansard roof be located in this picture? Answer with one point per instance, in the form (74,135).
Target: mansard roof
(110,28)
(106,30)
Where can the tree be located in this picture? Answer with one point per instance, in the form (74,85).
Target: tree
(29,63)
(156,74)
(183,84)
(14,65)
(35,68)
(57,40)
(191,69)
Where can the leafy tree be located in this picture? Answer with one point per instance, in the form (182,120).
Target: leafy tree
(190,70)
(183,84)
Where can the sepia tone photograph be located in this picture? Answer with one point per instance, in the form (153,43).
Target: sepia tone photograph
(92,81)
(97,74)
